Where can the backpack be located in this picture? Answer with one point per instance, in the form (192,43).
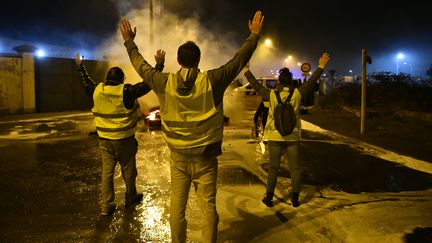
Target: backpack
(284,116)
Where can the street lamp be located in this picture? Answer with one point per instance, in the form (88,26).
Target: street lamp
(399,56)
(40,53)
(288,59)
(268,42)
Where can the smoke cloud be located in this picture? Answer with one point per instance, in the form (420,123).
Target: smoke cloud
(167,31)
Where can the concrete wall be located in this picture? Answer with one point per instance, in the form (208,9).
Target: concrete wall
(11,95)
(58,84)
(29,84)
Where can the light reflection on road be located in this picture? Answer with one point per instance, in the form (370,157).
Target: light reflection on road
(154,181)
(149,221)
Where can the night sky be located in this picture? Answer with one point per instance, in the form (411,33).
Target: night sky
(304,28)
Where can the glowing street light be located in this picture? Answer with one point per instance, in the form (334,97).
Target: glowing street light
(40,53)
(298,64)
(268,42)
(289,58)
(399,56)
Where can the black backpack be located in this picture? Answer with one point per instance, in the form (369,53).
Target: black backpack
(284,116)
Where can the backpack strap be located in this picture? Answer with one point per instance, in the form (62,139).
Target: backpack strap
(278,97)
(291,90)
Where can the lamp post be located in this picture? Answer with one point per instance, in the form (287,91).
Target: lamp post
(399,56)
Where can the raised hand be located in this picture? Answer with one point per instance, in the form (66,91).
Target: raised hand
(255,26)
(126,30)
(78,59)
(324,59)
(246,67)
(160,56)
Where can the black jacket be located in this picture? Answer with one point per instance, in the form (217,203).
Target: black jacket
(131,92)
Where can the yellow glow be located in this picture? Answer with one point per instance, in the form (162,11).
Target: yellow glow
(298,64)
(155,224)
(289,57)
(267,42)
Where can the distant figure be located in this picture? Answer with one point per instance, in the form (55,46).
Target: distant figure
(192,121)
(116,113)
(277,143)
(262,113)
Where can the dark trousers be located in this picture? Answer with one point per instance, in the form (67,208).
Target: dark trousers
(122,151)
(276,150)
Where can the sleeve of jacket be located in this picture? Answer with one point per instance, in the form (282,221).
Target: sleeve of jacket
(133,92)
(154,78)
(221,77)
(259,88)
(87,82)
(308,87)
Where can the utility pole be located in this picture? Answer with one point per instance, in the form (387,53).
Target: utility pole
(365,59)
(151,22)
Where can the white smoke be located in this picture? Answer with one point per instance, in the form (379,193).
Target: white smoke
(168,32)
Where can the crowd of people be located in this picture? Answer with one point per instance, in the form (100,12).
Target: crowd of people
(191,110)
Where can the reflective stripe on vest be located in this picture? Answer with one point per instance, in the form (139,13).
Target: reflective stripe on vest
(191,120)
(112,119)
(266,104)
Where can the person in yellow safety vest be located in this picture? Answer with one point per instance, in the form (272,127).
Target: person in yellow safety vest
(277,143)
(116,113)
(191,104)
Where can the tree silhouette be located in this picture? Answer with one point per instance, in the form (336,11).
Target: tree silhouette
(429,72)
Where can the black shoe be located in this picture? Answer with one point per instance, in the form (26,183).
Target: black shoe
(137,200)
(109,212)
(295,199)
(267,200)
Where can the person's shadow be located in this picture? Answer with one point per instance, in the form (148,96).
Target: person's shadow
(101,231)
(249,226)
(129,230)
(115,229)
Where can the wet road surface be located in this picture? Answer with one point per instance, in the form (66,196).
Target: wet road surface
(50,186)
(342,168)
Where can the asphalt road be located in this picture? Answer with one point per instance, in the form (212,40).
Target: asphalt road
(50,187)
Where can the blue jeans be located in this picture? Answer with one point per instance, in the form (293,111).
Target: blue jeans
(276,150)
(202,173)
(122,151)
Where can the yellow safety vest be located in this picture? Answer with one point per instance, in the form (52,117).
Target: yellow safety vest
(112,119)
(270,132)
(191,120)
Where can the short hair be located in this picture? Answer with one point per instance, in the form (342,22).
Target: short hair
(115,74)
(188,54)
(285,77)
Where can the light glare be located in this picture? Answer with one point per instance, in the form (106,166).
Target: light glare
(40,53)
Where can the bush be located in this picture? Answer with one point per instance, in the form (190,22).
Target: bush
(387,91)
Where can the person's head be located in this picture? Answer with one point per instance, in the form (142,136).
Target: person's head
(115,75)
(285,77)
(188,55)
